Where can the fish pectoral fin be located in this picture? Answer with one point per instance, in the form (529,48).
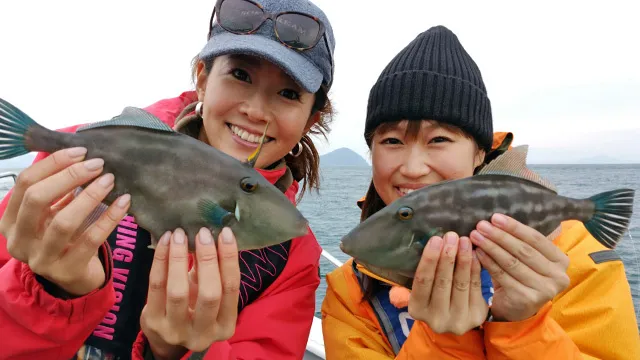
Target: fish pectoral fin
(132,117)
(213,214)
(429,234)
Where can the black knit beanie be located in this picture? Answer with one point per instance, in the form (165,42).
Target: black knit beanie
(433,78)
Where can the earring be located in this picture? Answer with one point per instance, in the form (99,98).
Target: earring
(298,152)
(199,108)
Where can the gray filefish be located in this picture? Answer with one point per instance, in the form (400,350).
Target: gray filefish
(391,241)
(175,181)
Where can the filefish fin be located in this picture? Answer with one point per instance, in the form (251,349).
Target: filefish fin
(14,125)
(514,163)
(433,232)
(612,216)
(253,158)
(213,213)
(134,117)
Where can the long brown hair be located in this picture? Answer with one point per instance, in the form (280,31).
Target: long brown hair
(305,167)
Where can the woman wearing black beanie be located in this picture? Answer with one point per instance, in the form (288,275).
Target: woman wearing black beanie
(503,291)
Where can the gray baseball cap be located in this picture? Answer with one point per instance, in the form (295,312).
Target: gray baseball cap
(309,68)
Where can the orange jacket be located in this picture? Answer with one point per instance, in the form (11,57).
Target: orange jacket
(593,318)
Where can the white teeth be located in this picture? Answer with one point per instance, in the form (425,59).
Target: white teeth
(406,191)
(246,136)
(237,213)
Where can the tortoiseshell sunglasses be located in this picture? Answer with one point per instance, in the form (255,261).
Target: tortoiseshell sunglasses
(293,29)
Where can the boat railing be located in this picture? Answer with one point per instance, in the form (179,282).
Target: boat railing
(11,174)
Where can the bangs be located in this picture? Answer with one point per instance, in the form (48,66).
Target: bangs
(412,128)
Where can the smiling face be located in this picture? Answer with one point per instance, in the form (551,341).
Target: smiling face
(408,155)
(240,95)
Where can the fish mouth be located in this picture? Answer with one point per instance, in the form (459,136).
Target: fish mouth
(248,135)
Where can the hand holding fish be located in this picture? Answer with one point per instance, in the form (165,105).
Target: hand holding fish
(527,269)
(52,239)
(448,299)
(191,309)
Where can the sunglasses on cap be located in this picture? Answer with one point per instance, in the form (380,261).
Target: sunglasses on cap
(294,30)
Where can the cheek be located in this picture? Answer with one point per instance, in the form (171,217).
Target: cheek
(383,167)
(454,164)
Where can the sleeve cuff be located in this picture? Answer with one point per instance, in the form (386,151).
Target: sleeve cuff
(39,293)
(504,334)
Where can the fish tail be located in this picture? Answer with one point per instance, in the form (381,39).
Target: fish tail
(20,134)
(611,217)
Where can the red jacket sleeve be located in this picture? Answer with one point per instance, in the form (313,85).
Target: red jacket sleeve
(277,324)
(36,325)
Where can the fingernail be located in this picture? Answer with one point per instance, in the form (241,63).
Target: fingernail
(106,180)
(464,244)
(164,240)
(484,227)
(499,220)
(227,237)
(178,236)
(76,152)
(475,235)
(450,238)
(94,164)
(123,201)
(205,236)
(435,242)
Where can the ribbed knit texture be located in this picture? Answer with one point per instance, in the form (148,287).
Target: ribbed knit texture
(433,78)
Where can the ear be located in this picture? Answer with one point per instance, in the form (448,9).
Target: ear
(479,158)
(312,120)
(201,80)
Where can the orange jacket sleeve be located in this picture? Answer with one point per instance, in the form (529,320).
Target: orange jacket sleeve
(596,310)
(351,331)
(538,337)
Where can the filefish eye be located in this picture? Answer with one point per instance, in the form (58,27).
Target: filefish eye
(405,213)
(248,185)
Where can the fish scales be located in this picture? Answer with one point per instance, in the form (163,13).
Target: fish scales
(478,198)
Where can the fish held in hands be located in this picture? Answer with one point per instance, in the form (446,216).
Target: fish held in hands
(175,181)
(391,241)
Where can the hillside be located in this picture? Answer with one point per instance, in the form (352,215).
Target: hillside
(342,157)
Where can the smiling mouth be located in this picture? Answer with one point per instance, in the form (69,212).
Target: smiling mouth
(246,136)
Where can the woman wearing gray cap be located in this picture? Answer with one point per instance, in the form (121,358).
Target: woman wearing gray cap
(266,61)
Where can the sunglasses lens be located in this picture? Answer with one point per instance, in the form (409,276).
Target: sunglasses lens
(240,16)
(297,30)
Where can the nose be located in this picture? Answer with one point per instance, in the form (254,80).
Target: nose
(416,164)
(256,108)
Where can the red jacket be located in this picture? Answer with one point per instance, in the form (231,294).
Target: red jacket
(36,325)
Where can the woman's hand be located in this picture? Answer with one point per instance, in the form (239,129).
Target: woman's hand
(446,292)
(49,238)
(527,269)
(191,310)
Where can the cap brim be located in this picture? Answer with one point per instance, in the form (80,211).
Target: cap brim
(290,61)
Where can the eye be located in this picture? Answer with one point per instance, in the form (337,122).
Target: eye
(391,141)
(440,139)
(248,185)
(290,94)
(241,75)
(405,213)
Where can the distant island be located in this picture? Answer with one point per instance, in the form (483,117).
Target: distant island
(342,157)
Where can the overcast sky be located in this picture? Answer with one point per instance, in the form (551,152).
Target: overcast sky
(549,67)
